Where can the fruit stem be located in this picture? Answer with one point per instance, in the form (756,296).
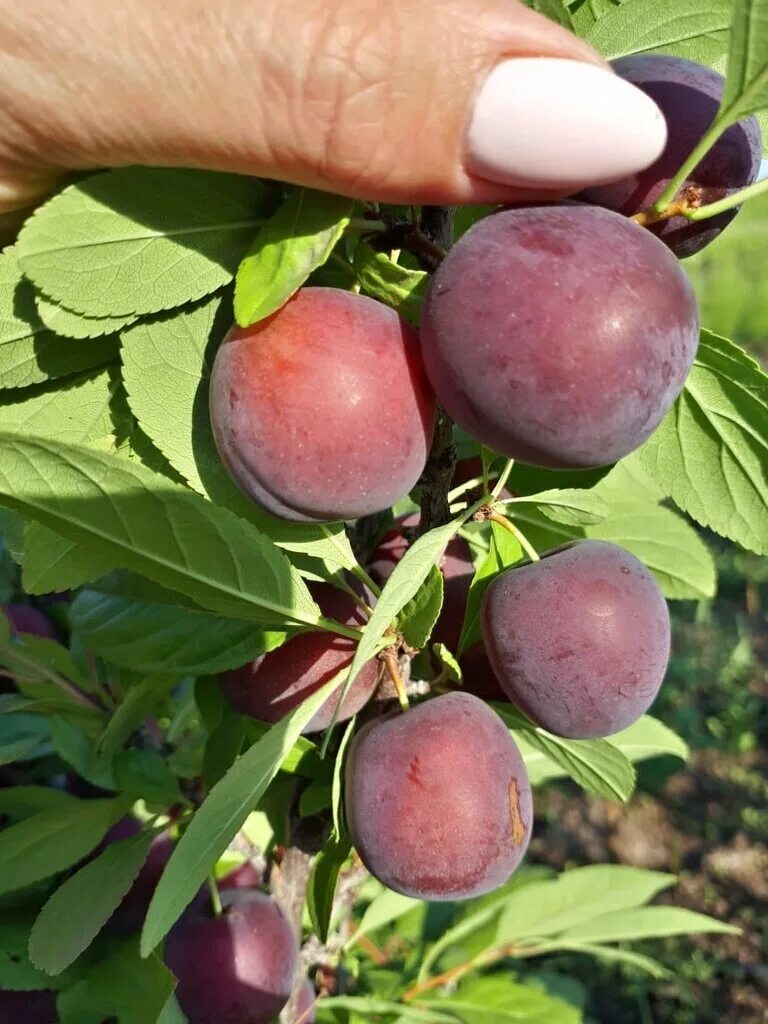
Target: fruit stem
(713,133)
(332,626)
(362,224)
(389,658)
(728,203)
(647,217)
(359,572)
(501,482)
(213,889)
(525,544)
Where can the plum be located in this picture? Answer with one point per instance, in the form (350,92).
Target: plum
(273,684)
(28,1007)
(580,640)
(245,876)
(559,335)
(26,619)
(689,96)
(437,799)
(129,915)
(323,411)
(238,968)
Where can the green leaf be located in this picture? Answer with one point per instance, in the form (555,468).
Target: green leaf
(322,884)
(123,988)
(81,906)
(644,923)
(610,954)
(387,907)
(52,840)
(572,507)
(504,551)
(172,1013)
(76,411)
(53,564)
(145,775)
(223,747)
(643,26)
(18,750)
(746,86)
(369,1006)
(23,801)
(595,765)
(383,279)
(140,239)
(29,352)
(66,323)
(466,926)
(497,999)
(417,619)
(140,625)
(17,973)
(338,776)
(139,703)
(648,737)
(710,453)
(221,817)
(574,899)
(555,10)
(158,529)
(296,240)
(75,747)
(671,548)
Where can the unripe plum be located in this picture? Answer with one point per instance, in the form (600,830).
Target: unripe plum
(689,96)
(437,799)
(323,410)
(26,619)
(37,1007)
(559,335)
(237,968)
(580,640)
(273,684)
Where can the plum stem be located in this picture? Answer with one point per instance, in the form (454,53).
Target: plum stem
(501,482)
(389,657)
(332,626)
(525,544)
(362,224)
(213,889)
(359,572)
(647,217)
(706,143)
(728,203)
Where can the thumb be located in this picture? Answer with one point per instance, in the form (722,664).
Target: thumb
(396,100)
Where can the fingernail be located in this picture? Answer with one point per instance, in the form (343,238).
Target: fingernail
(554,123)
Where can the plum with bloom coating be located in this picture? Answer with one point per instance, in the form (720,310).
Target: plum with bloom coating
(437,799)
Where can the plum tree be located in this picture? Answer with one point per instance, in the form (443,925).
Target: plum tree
(129,915)
(689,96)
(559,335)
(437,799)
(238,967)
(273,684)
(28,1007)
(580,640)
(26,619)
(323,411)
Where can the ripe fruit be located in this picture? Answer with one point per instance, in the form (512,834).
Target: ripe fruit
(275,683)
(129,915)
(559,335)
(237,968)
(580,640)
(26,619)
(28,1007)
(437,799)
(323,411)
(689,96)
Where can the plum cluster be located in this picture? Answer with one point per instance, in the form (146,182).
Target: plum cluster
(558,335)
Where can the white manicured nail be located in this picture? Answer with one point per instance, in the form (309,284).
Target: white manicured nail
(546,122)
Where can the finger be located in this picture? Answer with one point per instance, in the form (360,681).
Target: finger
(396,100)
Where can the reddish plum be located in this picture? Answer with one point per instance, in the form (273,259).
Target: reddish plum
(28,1007)
(580,640)
(437,798)
(559,335)
(689,96)
(26,619)
(238,968)
(323,411)
(273,684)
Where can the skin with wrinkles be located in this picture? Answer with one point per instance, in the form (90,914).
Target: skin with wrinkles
(437,799)
(580,640)
(361,97)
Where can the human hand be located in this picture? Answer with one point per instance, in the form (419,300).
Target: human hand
(394,100)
